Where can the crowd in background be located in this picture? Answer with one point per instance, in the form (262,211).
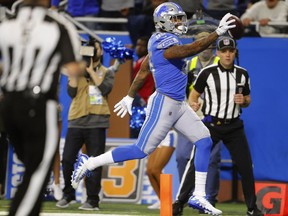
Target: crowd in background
(140,20)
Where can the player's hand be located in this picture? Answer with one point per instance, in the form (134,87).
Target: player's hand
(225,24)
(124,106)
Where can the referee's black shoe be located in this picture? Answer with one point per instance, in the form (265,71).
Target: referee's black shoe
(177,208)
(254,212)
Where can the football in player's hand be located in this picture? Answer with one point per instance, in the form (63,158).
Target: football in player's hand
(238,31)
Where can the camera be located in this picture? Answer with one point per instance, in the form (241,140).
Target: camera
(87,52)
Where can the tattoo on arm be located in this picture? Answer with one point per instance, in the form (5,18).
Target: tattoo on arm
(190,49)
(140,77)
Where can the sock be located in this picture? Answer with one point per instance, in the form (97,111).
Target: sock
(103,159)
(200,183)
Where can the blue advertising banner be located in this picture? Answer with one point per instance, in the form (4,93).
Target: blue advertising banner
(122,182)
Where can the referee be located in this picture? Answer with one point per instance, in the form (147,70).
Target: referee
(226,89)
(34,44)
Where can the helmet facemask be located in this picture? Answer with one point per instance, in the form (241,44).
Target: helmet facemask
(180,24)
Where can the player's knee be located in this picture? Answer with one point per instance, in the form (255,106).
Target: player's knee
(153,171)
(149,171)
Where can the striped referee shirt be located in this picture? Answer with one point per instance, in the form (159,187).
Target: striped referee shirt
(34,45)
(219,86)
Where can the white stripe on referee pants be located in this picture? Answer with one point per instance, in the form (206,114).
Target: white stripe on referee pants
(38,178)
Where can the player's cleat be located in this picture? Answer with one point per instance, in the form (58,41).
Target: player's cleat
(202,204)
(80,170)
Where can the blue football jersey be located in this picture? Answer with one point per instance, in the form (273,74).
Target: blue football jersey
(170,78)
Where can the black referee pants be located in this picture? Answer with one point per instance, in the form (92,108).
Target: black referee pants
(234,138)
(95,140)
(31,124)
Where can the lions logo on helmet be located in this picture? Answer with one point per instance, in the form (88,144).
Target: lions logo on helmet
(170,17)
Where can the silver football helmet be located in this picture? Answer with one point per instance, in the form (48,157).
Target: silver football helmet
(170,17)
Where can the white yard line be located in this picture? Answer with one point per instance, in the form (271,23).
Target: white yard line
(67,214)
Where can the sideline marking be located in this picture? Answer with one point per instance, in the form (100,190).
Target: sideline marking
(68,214)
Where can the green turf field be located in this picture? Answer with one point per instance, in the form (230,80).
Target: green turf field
(234,209)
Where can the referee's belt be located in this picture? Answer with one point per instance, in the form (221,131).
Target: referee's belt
(219,121)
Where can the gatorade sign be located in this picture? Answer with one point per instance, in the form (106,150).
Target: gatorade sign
(272,198)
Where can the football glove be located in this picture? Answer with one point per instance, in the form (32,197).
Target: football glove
(124,106)
(224,24)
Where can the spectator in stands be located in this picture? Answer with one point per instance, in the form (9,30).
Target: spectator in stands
(6,3)
(189,6)
(251,2)
(78,8)
(142,24)
(116,9)
(218,8)
(264,12)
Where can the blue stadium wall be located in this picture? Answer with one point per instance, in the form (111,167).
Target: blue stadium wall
(266,119)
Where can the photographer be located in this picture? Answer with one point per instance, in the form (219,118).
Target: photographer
(88,120)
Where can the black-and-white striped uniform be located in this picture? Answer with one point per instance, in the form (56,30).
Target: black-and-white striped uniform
(34,45)
(222,119)
(219,87)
